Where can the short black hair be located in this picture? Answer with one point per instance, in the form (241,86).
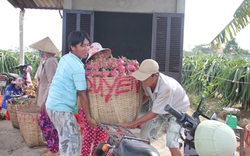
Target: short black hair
(155,74)
(76,37)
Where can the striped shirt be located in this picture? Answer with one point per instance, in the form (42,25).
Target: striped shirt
(69,77)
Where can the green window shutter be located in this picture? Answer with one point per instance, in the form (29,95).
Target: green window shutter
(167,43)
(76,20)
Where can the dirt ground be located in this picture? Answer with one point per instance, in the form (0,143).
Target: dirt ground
(12,143)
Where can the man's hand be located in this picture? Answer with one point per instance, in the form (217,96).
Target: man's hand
(141,120)
(128,125)
(91,122)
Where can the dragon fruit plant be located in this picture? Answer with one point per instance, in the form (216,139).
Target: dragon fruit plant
(112,67)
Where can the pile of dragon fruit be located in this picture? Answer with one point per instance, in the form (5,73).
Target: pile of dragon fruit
(112,67)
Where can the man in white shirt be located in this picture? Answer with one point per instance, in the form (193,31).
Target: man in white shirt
(162,90)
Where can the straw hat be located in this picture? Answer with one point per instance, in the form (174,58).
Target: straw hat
(97,47)
(45,45)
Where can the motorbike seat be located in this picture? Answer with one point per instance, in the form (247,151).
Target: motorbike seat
(129,147)
(13,75)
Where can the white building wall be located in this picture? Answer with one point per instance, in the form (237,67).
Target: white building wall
(131,6)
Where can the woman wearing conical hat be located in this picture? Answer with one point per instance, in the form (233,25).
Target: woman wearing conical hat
(44,74)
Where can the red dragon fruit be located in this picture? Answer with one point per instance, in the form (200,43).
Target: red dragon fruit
(105,73)
(114,73)
(111,67)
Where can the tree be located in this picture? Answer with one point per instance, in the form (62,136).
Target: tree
(239,22)
(231,46)
(204,48)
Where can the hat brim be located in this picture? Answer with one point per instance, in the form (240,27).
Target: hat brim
(107,53)
(45,45)
(140,75)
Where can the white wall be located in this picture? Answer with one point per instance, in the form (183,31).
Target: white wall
(135,6)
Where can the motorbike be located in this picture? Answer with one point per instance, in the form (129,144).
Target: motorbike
(122,142)
(192,123)
(6,78)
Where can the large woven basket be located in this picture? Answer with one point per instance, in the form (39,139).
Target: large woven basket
(114,99)
(14,105)
(28,123)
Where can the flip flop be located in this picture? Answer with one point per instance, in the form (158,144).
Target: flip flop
(49,153)
(44,150)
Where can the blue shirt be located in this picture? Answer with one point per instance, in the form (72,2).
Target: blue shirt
(10,90)
(69,77)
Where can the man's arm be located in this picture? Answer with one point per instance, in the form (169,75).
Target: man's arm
(84,103)
(145,99)
(141,120)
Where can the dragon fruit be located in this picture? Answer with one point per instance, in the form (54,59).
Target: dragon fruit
(112,67)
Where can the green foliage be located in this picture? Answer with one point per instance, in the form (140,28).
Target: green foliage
(240,21)
(231,46)
(203,48)
(7,60)
(243,51)
(217,74)
(33,59)
(10,59)
(199,70)
(58,56)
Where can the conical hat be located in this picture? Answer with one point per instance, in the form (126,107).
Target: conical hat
(45,45)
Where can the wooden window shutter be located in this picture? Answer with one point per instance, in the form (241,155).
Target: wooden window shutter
(76,20)
(167,43)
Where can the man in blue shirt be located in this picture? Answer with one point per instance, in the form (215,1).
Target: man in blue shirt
(69,82)
(15,88)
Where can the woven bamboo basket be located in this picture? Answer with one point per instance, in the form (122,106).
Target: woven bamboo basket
(29,128)
(14,105)
(12,108)
(114,99)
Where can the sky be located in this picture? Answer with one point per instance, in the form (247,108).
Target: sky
(204,19)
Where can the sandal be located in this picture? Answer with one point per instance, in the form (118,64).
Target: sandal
(44,150)
(49,153)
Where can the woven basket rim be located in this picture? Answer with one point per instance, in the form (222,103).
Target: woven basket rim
(31,109)
(114,108)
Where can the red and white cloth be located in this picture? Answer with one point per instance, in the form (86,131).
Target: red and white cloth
(92,135)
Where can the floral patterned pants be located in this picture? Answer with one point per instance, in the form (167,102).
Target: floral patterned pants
(92,135)
(49,132)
